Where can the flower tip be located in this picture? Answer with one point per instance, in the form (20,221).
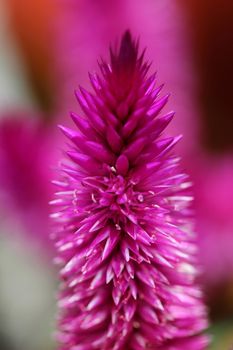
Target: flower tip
(60,127)
(67,132)
(178,138)
(127,54)
(127,38)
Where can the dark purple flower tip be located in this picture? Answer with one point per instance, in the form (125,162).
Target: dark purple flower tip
(125,57)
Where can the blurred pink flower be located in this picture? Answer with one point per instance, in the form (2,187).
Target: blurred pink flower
(213,180)
(124,243)
(25,162)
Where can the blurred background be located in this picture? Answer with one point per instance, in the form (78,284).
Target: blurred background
(47,48)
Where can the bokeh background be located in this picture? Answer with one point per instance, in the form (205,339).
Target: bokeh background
(47,48)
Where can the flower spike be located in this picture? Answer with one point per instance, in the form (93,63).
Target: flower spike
(125,243)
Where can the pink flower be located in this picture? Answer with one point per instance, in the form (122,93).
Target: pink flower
(124,239)
(213,205)
(25,176)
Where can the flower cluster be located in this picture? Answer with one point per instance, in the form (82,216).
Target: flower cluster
(123,235)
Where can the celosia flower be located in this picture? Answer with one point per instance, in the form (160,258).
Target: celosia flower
(124,242)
